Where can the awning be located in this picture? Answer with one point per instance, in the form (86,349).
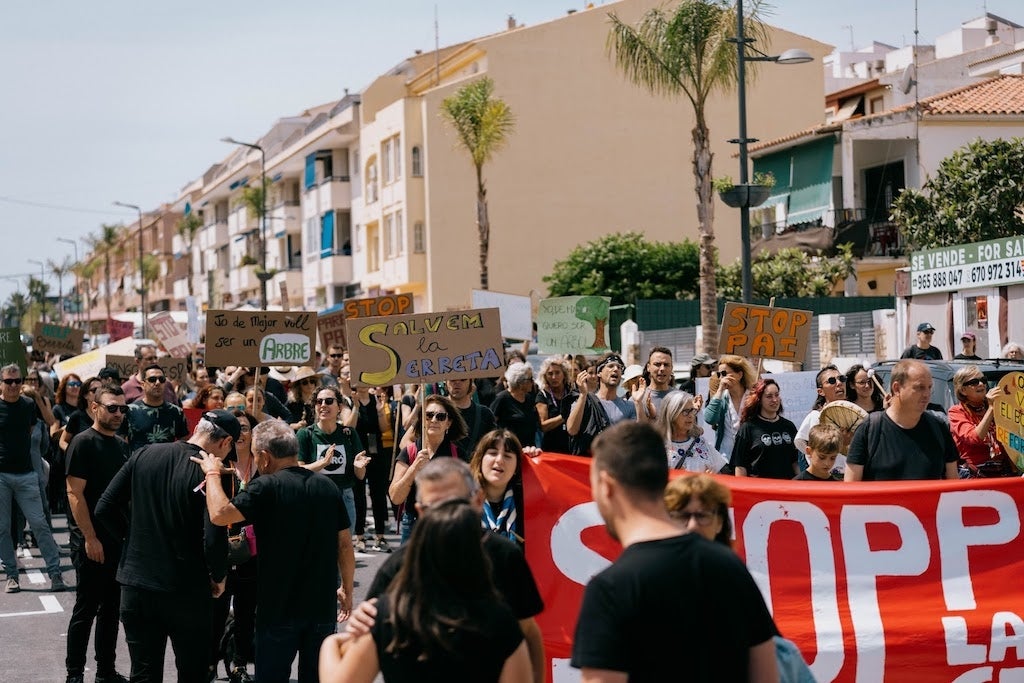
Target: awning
(805,174)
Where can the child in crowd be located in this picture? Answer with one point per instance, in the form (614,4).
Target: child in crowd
(823,444)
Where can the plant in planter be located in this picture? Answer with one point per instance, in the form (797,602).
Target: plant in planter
(247,260)
(749,195)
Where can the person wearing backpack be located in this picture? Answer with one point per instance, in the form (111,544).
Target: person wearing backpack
(479,418)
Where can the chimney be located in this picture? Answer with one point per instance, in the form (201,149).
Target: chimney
(511,22)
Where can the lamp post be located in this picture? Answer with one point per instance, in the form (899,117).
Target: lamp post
(787,57)
(263,216)
(142,267)
(78,293)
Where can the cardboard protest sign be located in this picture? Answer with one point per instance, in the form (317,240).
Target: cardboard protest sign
(332,325)
(120,329)
(90,363)
(11,348)
(573,324)
(59,339)
(174,368)
(426,347)
(765,332)
(260,338)
(516,313)
(1009,416)
(170,334)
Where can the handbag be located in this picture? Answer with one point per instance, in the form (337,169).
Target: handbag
(242,546)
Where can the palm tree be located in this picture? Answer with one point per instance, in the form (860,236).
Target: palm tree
(187,227)
(107,244)
(16,307)
(687,51)
(483,124)
(85,270)
(60,270)
(37,291)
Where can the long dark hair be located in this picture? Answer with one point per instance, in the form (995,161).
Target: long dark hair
(444,569)
(851,388)
(752,406)
(493,439)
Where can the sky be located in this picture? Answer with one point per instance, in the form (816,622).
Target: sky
(119,100)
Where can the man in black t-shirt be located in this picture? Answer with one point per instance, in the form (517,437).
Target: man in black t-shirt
(303,540)
(630,620)
(174,558)
(445,479)
(93,458)
(479,418)
(152,419)
(923,349)
(905,441)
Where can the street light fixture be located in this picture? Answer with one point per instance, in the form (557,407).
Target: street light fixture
(142,267)
(78,292)
(263,276)
(787,57)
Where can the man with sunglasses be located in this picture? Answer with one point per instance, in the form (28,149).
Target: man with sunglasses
(135,386)
(336,369)
(174,557)
(151,419)
(923,349)
(93,458)
(18,481)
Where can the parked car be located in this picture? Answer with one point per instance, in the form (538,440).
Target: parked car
(942,375)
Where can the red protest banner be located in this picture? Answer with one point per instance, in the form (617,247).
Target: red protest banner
(873,581)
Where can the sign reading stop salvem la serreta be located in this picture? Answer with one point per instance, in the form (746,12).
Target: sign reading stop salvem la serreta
(260,338)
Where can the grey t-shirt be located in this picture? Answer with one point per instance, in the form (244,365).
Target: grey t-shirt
(619,409)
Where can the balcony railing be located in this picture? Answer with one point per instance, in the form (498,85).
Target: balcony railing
(870,238)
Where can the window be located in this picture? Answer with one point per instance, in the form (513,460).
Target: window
(312,236)
(372,248)
(371,180)
(327,234)
(399,234)
(417,162)
(385,161)
(389,235)
(396,148)
(419,238)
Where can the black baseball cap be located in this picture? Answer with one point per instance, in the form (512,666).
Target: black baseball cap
(109,372)
(226,421)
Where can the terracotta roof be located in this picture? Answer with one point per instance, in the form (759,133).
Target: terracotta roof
(820,129)
(996,58)
(1000,95)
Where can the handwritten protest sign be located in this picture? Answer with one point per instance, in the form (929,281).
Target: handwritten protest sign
(11,348)
(332,325)
(260,338)
(1009,415)
(516,313)
(58,339)
(426,347)
(120,329)
(764,332)
(89,364)
(170,334)
(573,324)
(174,368)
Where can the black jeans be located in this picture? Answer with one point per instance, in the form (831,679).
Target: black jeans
(97,598)
(278,643)
(240,595)
(377,473)
(151,617)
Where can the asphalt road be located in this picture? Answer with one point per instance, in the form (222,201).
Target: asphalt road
(33,623)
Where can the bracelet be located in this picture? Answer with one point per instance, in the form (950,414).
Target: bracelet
(213,474)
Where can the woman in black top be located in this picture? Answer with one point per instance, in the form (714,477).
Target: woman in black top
(441,618)
(765,443)
(515,409)
(554,387)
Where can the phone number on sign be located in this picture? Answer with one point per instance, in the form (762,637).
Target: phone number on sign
(997,272)
(938,279)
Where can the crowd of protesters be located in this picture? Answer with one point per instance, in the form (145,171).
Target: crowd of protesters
(164,519)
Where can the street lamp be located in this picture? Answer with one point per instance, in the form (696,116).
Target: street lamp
(263,277)
(78,293)
(142,267)
(787,57)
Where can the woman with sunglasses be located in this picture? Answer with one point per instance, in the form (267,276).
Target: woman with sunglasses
(332,448)
(684,443)
(735,377)
(764,444)
(972,423)
(81,418)
(831,386)
(444,427)
(300,398)
(66,401)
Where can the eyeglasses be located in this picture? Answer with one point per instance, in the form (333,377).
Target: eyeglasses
(336,355)
(862,382)
(156,379)
(974,382)
(832,381)
(688,411)
(244,428)
(33,380)
(721,373)
(436,416)
(74,383)
(309,381)
(329,401)
(115,408)
(703,518)
(12,381)
(240,406)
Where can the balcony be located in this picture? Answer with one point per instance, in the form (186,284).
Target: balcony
(239,221)
(213,236)
(335,192)
(334,270)
(242,278)
(285,218)
(870,238)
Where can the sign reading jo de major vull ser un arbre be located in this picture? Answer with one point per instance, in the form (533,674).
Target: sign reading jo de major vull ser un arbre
(260,338)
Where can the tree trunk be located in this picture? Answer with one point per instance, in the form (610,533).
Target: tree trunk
(191,274)
(106,292)
(702,158)
(483,226)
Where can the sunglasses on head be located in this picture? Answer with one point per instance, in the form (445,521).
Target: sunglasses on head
(436,416)
(832,381)
(11,381)
(115,408)
(328,401)
(156,379)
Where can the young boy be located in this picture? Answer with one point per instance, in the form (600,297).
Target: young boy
(823,445)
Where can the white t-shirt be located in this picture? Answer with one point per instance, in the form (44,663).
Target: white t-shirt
(694,455)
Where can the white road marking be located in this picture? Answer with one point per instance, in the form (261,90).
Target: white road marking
(50,606)
(35,576)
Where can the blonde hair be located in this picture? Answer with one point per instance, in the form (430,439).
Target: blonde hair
(743,366)
(825,439)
